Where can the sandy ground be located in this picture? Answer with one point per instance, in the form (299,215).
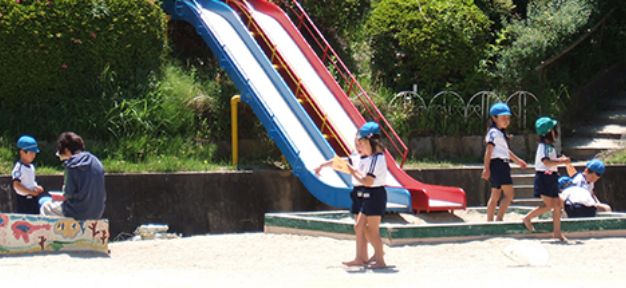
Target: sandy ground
(270,260)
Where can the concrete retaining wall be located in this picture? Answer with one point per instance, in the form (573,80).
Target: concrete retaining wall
(223,202)
(467,147)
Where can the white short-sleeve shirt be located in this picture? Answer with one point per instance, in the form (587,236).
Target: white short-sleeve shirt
(578,195)
(25,173)
(375,166)
(497,138)
(579,180)
(545,151)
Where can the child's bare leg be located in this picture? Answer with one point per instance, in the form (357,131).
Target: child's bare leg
(373,226)
(492,203)
(361,242)
(603,207)
(507,198)
(536,212)
(556,219)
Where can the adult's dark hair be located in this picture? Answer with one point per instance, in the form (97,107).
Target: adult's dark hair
(70,141)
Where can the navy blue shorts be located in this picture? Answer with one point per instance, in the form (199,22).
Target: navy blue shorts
(579,210)
(500,173)
(370,201)
(26,205)
(547,185)
(357,202)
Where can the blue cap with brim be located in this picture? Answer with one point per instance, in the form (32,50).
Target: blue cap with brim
(543,125)
(499,109)
(28,143)
(596,166)
(369,129)
(564,182)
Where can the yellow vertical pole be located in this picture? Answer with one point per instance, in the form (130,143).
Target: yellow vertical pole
(234,128)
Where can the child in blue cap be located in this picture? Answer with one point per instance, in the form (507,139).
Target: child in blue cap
(547,177)
(23,177)
(497,157)
(369,197)
(594,170)
(578,202)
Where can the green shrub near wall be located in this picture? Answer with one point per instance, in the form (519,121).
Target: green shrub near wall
(65,62)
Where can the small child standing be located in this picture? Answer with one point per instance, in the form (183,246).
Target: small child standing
(497,157)
(369,197)
(547,177)
(23,177)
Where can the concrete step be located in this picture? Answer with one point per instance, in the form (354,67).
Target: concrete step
(516,170)
(586,148)
(610,131)
(596,143)
(612,117)
(527,202)
(524,191)
(523,179)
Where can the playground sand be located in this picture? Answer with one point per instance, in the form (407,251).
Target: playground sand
(271,260)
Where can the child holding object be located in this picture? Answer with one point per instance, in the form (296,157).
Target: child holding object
(369,197)
(497,158)
(547,177)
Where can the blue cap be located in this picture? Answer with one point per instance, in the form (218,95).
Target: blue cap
(369,129)
(44,200)
(499,109)
(28,143)
(543,125)
(596,166)
(564,182)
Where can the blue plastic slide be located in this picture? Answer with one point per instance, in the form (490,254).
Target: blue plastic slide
(263,89)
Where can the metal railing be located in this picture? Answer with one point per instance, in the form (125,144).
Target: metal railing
(451,106)
(299,90)
(351,87)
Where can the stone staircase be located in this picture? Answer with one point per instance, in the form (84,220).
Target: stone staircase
(523,181)
(606,132)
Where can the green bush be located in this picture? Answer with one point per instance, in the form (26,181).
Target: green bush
(64,62)
(523,44)
(436,44)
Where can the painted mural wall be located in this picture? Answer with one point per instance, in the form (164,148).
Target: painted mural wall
(22,233)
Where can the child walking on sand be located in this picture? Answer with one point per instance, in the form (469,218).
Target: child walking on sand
(547,176)
(369,197)
(497,157)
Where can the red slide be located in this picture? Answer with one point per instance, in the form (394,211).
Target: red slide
(424,197)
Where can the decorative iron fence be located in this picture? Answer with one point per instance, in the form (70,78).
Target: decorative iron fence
(447,112)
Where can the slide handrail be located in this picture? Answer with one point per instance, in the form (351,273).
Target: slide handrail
(191,11)
(300,91)
(350,85)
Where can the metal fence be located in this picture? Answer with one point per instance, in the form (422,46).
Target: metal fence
(449,108)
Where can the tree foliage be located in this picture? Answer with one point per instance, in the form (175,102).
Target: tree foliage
(430,42)
(65,62)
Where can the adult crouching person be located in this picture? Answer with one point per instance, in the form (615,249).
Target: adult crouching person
(83,187)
